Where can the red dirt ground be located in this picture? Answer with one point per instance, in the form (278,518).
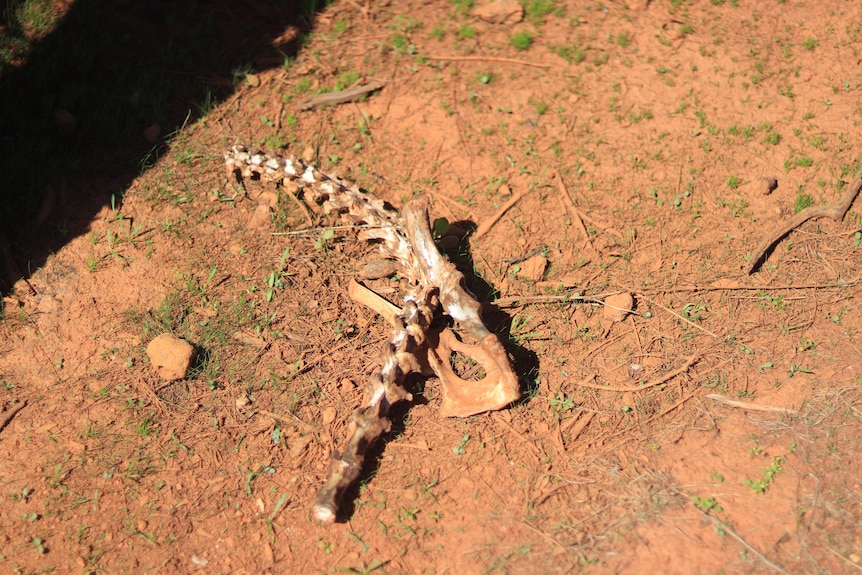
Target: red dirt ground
(650,122)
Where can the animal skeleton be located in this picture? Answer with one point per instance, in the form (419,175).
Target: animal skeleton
(429,282)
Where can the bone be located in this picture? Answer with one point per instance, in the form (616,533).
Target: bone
(431,281)
(370,299)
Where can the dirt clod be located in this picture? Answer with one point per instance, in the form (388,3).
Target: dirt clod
(171,356)
(500,12)
(617,307)
(260,217)
(533,269)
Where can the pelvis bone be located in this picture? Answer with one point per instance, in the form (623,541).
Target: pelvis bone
(463,398)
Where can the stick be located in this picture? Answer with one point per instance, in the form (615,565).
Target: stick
(573,209)
(750,406)
(486,226)
(693,289)
(344,96)
(522,300)
(487,59)
(673,313)
(747,545)
(836,211)
(290,416)
(582,423)
(4,421)
(666,377)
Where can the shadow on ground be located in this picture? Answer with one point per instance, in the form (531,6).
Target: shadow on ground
(72,131)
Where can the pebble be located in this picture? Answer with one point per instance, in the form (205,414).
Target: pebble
(328,415)
(378,269)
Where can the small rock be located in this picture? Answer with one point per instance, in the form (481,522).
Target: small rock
(346,386)
(618,307)
(378,269)
(66,123)
(500,12)
(10,303)
(248,338)
(533,269)
(298,445)
(171,356)
(151,133)
(253,80)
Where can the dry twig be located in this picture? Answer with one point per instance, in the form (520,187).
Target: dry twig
(487,59)
(341,97)
(835,211)
(573,209)
(486,226)
(676,315)
(522,300)
(750,406)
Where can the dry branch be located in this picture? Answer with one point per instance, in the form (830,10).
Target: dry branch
(430,282)
(835,211)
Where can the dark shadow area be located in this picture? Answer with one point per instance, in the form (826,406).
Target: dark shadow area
(524,362)
(99,97)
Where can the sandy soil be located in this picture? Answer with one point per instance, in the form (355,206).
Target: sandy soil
(649,125)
